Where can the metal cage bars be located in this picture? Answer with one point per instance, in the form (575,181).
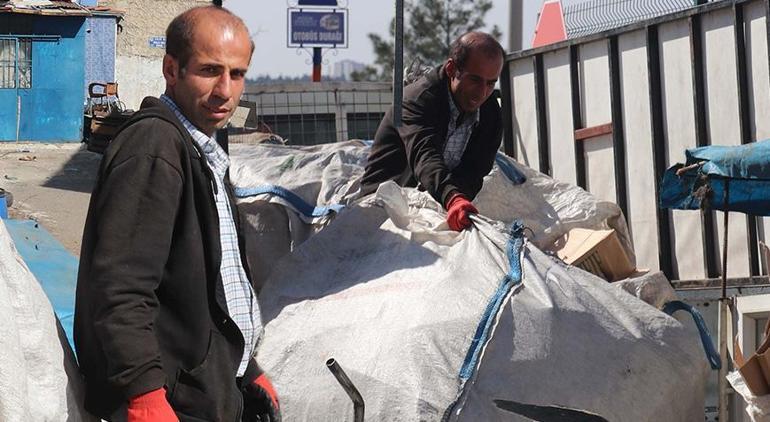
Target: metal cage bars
(664,221)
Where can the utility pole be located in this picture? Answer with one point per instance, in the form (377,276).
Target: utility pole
(222,135)
(515,25)
(398,66)
(317,60)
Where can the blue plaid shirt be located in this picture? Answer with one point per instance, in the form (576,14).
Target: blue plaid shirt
(240,297)
(457,136)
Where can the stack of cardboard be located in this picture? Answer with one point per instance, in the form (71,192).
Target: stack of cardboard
(596,251)
(756,369)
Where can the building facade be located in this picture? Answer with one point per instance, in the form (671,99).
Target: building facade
(41,77)
(141,44)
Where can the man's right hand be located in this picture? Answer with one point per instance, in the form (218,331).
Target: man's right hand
(151,407)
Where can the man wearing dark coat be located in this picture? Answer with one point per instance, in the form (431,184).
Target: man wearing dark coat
(166,319)
(450,133)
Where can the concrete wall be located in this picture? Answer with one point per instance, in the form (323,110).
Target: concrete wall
(101,32)
(139,54)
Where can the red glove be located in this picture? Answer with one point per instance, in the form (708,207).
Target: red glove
(261,401)
(458,208)
(151,407)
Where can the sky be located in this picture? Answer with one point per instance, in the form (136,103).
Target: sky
(267,22)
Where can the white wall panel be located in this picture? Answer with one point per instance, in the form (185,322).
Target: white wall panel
(721,91)
(559,104)
(679,129)
(635,94)
(595,97)
(759,89)
(525,111)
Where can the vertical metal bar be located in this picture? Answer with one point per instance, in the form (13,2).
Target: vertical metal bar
(317,59)
(577,115)
(618,136)
(506,97)
(398,66)
(659,151)
(744,110)
(711,254)
(222,136)
(542,117)
(16,81)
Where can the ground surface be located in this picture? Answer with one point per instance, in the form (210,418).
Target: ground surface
(51,184)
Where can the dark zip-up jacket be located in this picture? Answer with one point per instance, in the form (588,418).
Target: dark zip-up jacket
(146,314)
(413,153)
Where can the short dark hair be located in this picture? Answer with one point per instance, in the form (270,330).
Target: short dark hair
(461,48)
(181,30)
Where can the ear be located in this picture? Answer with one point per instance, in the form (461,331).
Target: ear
(451,68)
(170,69)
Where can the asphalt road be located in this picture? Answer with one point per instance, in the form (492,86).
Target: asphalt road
(51,184)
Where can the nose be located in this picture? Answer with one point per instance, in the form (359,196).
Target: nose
(488,91)
(223,88)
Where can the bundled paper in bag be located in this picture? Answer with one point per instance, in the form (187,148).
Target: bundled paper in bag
(596,251)
(756,369)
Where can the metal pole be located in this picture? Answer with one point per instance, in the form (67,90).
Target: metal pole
(222,135)
(347,385)
(398,64)
(723,328)
(515,23)
(317,64)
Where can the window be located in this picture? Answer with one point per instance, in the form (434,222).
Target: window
(15,63)
(8,63)
(25,63)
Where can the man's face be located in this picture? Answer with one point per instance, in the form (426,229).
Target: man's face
(472,85)
(209,88)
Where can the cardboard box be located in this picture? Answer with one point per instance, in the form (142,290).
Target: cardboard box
(756,369)
(596,251)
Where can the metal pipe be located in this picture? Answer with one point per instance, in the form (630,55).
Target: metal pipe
(398,65)
(515,25)
(723,329)
(347,385)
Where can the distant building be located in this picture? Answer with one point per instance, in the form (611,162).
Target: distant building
(141,45)
(310,113)
(44,47)
(344,68)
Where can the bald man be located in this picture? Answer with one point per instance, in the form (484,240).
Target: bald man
(450,133)
(166,319)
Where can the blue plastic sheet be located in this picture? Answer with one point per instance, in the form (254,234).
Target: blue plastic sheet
(54,267)
(727,178)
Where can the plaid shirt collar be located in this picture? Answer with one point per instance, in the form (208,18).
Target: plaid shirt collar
(454,113)
(215,155)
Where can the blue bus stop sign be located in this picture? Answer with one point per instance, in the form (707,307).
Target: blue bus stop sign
(318,3)
(317,28)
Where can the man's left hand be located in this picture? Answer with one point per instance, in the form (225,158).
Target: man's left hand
(260,402)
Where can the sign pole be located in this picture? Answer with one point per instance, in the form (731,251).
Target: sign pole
(222,136)
(316,64)
(398,65)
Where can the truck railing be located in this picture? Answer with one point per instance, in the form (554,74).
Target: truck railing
(612,110)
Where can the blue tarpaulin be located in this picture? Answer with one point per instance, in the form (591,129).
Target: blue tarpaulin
(54,267)
(727,178)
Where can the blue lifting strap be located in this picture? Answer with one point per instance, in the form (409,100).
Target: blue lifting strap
(513,278)
(292,198)
(705,337)
(511,172)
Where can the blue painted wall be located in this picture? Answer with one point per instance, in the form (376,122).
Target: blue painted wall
(52,110)
(100,49)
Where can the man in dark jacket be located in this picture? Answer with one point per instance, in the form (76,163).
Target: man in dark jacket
(166,320)
(450,133)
